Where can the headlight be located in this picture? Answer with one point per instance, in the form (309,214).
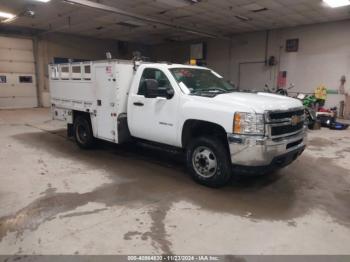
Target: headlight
(248,124)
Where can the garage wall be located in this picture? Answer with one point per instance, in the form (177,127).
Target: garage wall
(242,59)
(17,73)
(30,56)
(244,50)
(323,57)
(175,52)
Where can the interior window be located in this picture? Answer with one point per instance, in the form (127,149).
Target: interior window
(25,79)
(64,72)
(65,69)
(156,74)
(87,72)
(87,69)
(3,80)
(76,72)
(76,69)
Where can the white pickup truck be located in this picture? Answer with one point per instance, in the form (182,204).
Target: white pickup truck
(191,108)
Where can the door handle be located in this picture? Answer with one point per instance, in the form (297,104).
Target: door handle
(138,104)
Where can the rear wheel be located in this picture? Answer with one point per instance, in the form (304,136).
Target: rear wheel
(208,162)
(83,132)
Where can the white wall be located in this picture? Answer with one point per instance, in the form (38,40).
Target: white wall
(245,63)
(323,57)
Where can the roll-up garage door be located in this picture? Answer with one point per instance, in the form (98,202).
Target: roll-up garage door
(17,73)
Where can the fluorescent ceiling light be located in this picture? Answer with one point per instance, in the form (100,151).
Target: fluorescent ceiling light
(337,3)
(44,1)
(7,15)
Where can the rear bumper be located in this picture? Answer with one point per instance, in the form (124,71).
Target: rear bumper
(254,151)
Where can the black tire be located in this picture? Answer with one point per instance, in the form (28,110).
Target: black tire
(83,132)
(282,92)
(217,177)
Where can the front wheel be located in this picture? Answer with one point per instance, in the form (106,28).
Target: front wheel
(208,161)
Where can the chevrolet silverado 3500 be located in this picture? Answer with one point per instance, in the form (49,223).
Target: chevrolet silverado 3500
(192,108)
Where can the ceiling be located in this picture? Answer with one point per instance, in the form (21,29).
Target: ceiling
(220,17)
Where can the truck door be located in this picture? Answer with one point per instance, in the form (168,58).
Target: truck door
(153,119)
(106,96)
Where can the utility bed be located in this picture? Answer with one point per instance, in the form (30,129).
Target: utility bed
(99,88)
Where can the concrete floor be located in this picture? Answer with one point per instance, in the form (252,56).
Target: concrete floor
(58,199)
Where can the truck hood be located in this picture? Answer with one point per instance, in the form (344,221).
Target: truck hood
(259,102)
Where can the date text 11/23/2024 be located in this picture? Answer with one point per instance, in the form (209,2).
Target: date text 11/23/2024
(173,258)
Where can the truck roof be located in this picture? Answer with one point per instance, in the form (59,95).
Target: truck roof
(167,65)
(170,65)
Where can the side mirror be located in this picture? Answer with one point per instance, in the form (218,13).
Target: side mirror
(169,93)
(151,90)
(166,92)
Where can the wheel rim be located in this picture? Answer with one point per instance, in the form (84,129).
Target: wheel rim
(82,134)
(204,162)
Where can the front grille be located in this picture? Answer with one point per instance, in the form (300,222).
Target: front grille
(286,129)
(284,115)
(283,123)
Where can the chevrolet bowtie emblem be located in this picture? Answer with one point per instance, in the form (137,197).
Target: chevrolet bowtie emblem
(295,120)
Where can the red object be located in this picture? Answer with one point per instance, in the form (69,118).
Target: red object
(322,109)
(282,79)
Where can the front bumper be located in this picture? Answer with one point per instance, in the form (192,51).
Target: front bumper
(254,151)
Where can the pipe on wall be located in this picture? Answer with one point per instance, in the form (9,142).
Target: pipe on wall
(267,39)
(230,59)
(36,63)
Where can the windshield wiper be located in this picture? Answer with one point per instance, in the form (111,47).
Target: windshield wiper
(212,91)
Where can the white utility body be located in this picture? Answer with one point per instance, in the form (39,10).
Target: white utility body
(85,90)
(188,107)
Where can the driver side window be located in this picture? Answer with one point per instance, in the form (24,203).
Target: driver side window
(156,74)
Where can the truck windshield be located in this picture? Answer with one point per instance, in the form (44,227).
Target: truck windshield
(201,81)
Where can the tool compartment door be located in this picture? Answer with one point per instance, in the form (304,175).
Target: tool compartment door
(105,79)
